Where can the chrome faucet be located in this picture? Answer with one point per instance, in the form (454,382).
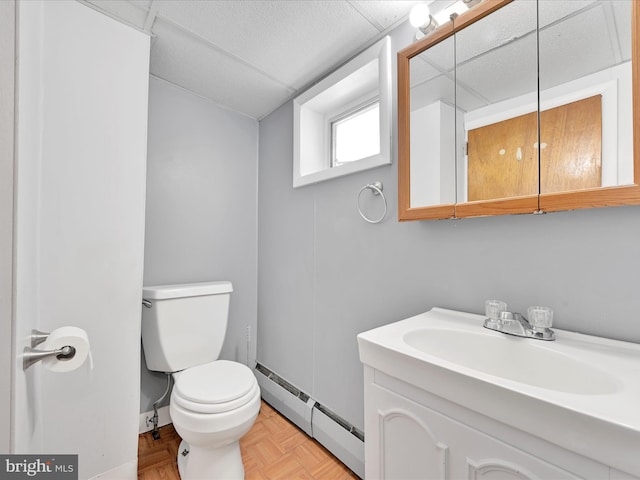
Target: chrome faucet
(512,323)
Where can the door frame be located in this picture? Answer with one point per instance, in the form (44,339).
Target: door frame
(7,136)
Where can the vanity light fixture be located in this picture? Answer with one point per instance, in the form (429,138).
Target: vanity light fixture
(421,18)
(453,10)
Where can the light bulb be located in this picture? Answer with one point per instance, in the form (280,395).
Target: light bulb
(419,15)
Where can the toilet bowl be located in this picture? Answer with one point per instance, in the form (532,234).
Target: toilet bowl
(214,402)
(212,406)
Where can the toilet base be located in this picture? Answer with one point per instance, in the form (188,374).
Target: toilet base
(208,463)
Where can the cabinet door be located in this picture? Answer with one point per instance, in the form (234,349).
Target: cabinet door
(406,440)
(401,443)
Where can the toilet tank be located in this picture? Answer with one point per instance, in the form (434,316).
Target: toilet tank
(185,325)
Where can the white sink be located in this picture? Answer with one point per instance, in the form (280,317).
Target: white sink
(519,359)
(579,392)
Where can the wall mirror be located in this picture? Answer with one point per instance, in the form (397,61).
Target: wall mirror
(519,106)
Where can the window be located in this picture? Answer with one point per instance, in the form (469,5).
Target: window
(356,135)
(342,124)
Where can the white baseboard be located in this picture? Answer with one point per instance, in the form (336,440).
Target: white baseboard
(340,442)
(163,419)
(291,407)
(305,414)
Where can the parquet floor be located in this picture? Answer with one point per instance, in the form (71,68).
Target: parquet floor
(274,449)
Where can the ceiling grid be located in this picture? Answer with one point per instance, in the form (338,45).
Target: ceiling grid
(253,56)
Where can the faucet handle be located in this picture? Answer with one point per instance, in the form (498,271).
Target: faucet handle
(494,308)
(540,317)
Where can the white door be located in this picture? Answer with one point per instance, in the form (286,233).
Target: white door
(80,191)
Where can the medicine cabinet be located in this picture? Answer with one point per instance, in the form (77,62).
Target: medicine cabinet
(519,106)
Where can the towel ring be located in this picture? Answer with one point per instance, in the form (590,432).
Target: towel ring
(376,189)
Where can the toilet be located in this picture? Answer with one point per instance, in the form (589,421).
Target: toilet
(213,402)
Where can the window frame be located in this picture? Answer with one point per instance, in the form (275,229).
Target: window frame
(343,91)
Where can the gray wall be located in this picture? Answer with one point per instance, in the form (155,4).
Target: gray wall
(7,68)
(201,218)
(326,275)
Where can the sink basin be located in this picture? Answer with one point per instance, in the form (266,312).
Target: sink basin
(519,359)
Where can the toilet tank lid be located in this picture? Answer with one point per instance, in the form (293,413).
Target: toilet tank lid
(163,292)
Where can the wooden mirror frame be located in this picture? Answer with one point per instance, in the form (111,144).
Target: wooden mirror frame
(542,202)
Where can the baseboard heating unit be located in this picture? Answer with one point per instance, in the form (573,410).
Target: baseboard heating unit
(337,435)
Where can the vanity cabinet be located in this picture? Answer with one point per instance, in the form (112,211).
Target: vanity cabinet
(413,434)
(446,398)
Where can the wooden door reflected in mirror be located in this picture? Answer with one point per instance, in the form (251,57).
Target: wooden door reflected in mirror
(503,157)
(502,161)
(571,146)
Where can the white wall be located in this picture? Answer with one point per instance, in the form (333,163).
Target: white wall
(82,107)
(201,221)
(326,275)
(7,68)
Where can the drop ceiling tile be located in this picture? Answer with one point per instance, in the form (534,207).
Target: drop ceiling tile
(143,4)
(511,22)
(578,46)
(622,15)
(502,73)
(387,12)
(421,71)
(440,57)
(514,21)
(291,41)
(439,88)
(468,100)
(122,9)
(552,10)
(176,57)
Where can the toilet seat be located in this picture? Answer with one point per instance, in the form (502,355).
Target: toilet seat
(215,387)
